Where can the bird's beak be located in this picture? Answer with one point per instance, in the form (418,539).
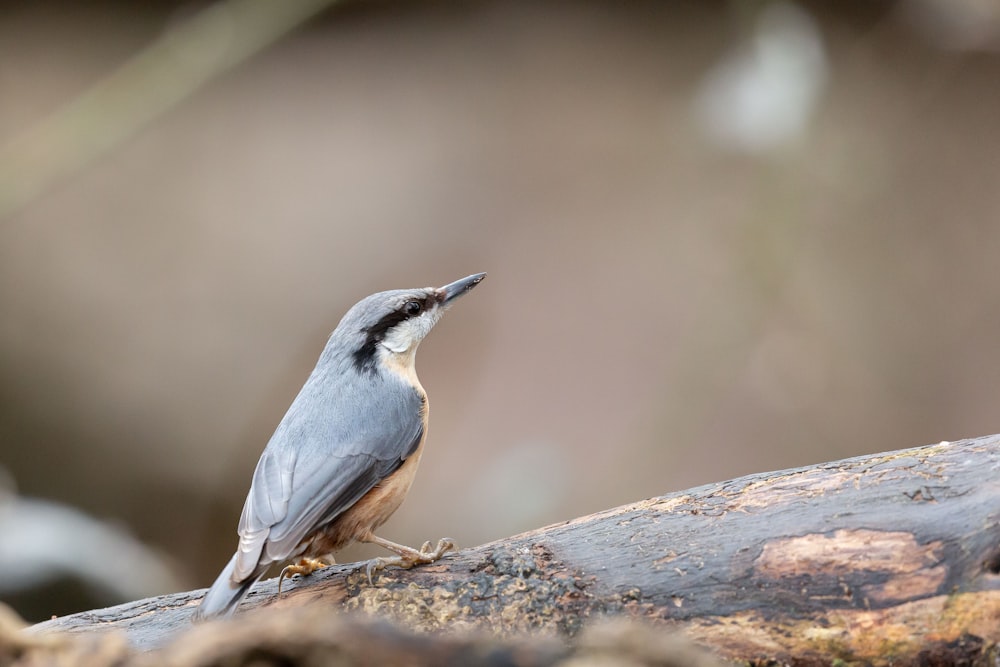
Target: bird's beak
(456,289)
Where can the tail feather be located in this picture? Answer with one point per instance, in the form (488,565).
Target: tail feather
(224,595)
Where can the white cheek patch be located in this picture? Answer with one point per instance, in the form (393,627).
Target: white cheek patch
(408,333)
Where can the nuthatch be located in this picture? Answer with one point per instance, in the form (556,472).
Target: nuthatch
(344,455)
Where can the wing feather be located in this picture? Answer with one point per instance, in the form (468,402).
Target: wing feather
(323,457)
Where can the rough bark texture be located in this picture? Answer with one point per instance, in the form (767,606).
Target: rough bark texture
(891,558)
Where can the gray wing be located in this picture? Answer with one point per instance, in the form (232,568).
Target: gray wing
(330,449)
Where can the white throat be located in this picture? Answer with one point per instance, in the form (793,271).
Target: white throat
(405,336)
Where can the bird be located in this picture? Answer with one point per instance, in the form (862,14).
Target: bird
(344,456)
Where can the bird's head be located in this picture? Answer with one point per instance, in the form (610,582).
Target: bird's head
(392,324)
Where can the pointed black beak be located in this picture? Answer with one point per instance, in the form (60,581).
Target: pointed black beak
(456,289)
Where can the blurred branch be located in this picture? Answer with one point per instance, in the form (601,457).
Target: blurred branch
(171,69)
(313,636)
(886,558)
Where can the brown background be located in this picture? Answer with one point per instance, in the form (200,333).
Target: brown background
(661,310)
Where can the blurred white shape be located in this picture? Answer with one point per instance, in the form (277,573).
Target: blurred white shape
(42,541)
(761,96)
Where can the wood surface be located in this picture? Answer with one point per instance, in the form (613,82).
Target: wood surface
(891,558)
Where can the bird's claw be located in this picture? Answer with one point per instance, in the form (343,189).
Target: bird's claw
(411,557)
(444,545)
(304,566)
(376,565)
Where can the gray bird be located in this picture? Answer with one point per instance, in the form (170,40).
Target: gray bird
(344,455)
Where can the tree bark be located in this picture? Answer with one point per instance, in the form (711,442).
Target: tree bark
(891,558)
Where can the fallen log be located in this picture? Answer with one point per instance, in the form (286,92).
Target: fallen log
(890,558)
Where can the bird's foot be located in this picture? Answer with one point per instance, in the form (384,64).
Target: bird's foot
(408,557)
(304,566)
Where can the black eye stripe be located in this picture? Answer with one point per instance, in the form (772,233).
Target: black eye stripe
(364,357)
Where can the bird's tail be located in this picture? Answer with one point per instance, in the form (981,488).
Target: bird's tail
(224,595)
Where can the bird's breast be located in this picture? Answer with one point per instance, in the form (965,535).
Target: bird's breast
(401,364)
(370,512)
(375,507)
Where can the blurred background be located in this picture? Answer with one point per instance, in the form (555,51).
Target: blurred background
(722,238)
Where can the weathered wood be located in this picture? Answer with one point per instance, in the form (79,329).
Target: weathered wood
(891,558)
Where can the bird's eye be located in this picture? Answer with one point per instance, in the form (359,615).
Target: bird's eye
(412,308)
